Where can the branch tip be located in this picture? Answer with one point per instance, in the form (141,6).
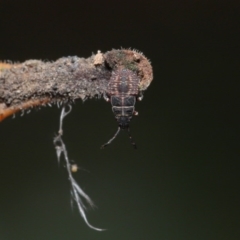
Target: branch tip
(36,83)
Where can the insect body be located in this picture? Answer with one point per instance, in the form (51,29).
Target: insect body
(122,92)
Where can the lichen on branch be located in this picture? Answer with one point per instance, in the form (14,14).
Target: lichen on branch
(35,82)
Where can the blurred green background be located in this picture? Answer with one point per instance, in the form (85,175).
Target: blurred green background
(182,183)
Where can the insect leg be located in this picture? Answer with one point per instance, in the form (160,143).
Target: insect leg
(131,140)
(106,97)
(140,96)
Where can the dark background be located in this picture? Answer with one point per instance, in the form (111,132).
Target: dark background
(183,181)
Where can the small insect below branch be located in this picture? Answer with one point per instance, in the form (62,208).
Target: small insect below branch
(122,92)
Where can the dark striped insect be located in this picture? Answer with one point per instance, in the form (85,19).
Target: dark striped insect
(122,92)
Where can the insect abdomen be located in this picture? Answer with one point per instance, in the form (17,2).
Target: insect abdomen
(123,82)
(122,90)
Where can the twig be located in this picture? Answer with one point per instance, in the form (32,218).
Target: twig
(35,83)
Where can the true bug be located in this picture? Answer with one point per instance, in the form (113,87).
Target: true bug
(122,91)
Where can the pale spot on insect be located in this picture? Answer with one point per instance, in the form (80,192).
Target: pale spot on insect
(135,113)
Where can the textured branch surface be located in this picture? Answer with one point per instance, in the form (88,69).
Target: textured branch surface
(35,83)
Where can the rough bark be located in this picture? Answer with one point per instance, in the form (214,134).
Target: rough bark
(35,83)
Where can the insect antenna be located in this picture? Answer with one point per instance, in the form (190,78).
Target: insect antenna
(104,145)
(131,140)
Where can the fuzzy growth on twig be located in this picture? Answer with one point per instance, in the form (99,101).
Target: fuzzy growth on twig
(34,83)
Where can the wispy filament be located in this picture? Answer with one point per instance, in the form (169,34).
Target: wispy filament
(78,195)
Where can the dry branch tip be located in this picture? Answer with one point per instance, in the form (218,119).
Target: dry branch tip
(25,85)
